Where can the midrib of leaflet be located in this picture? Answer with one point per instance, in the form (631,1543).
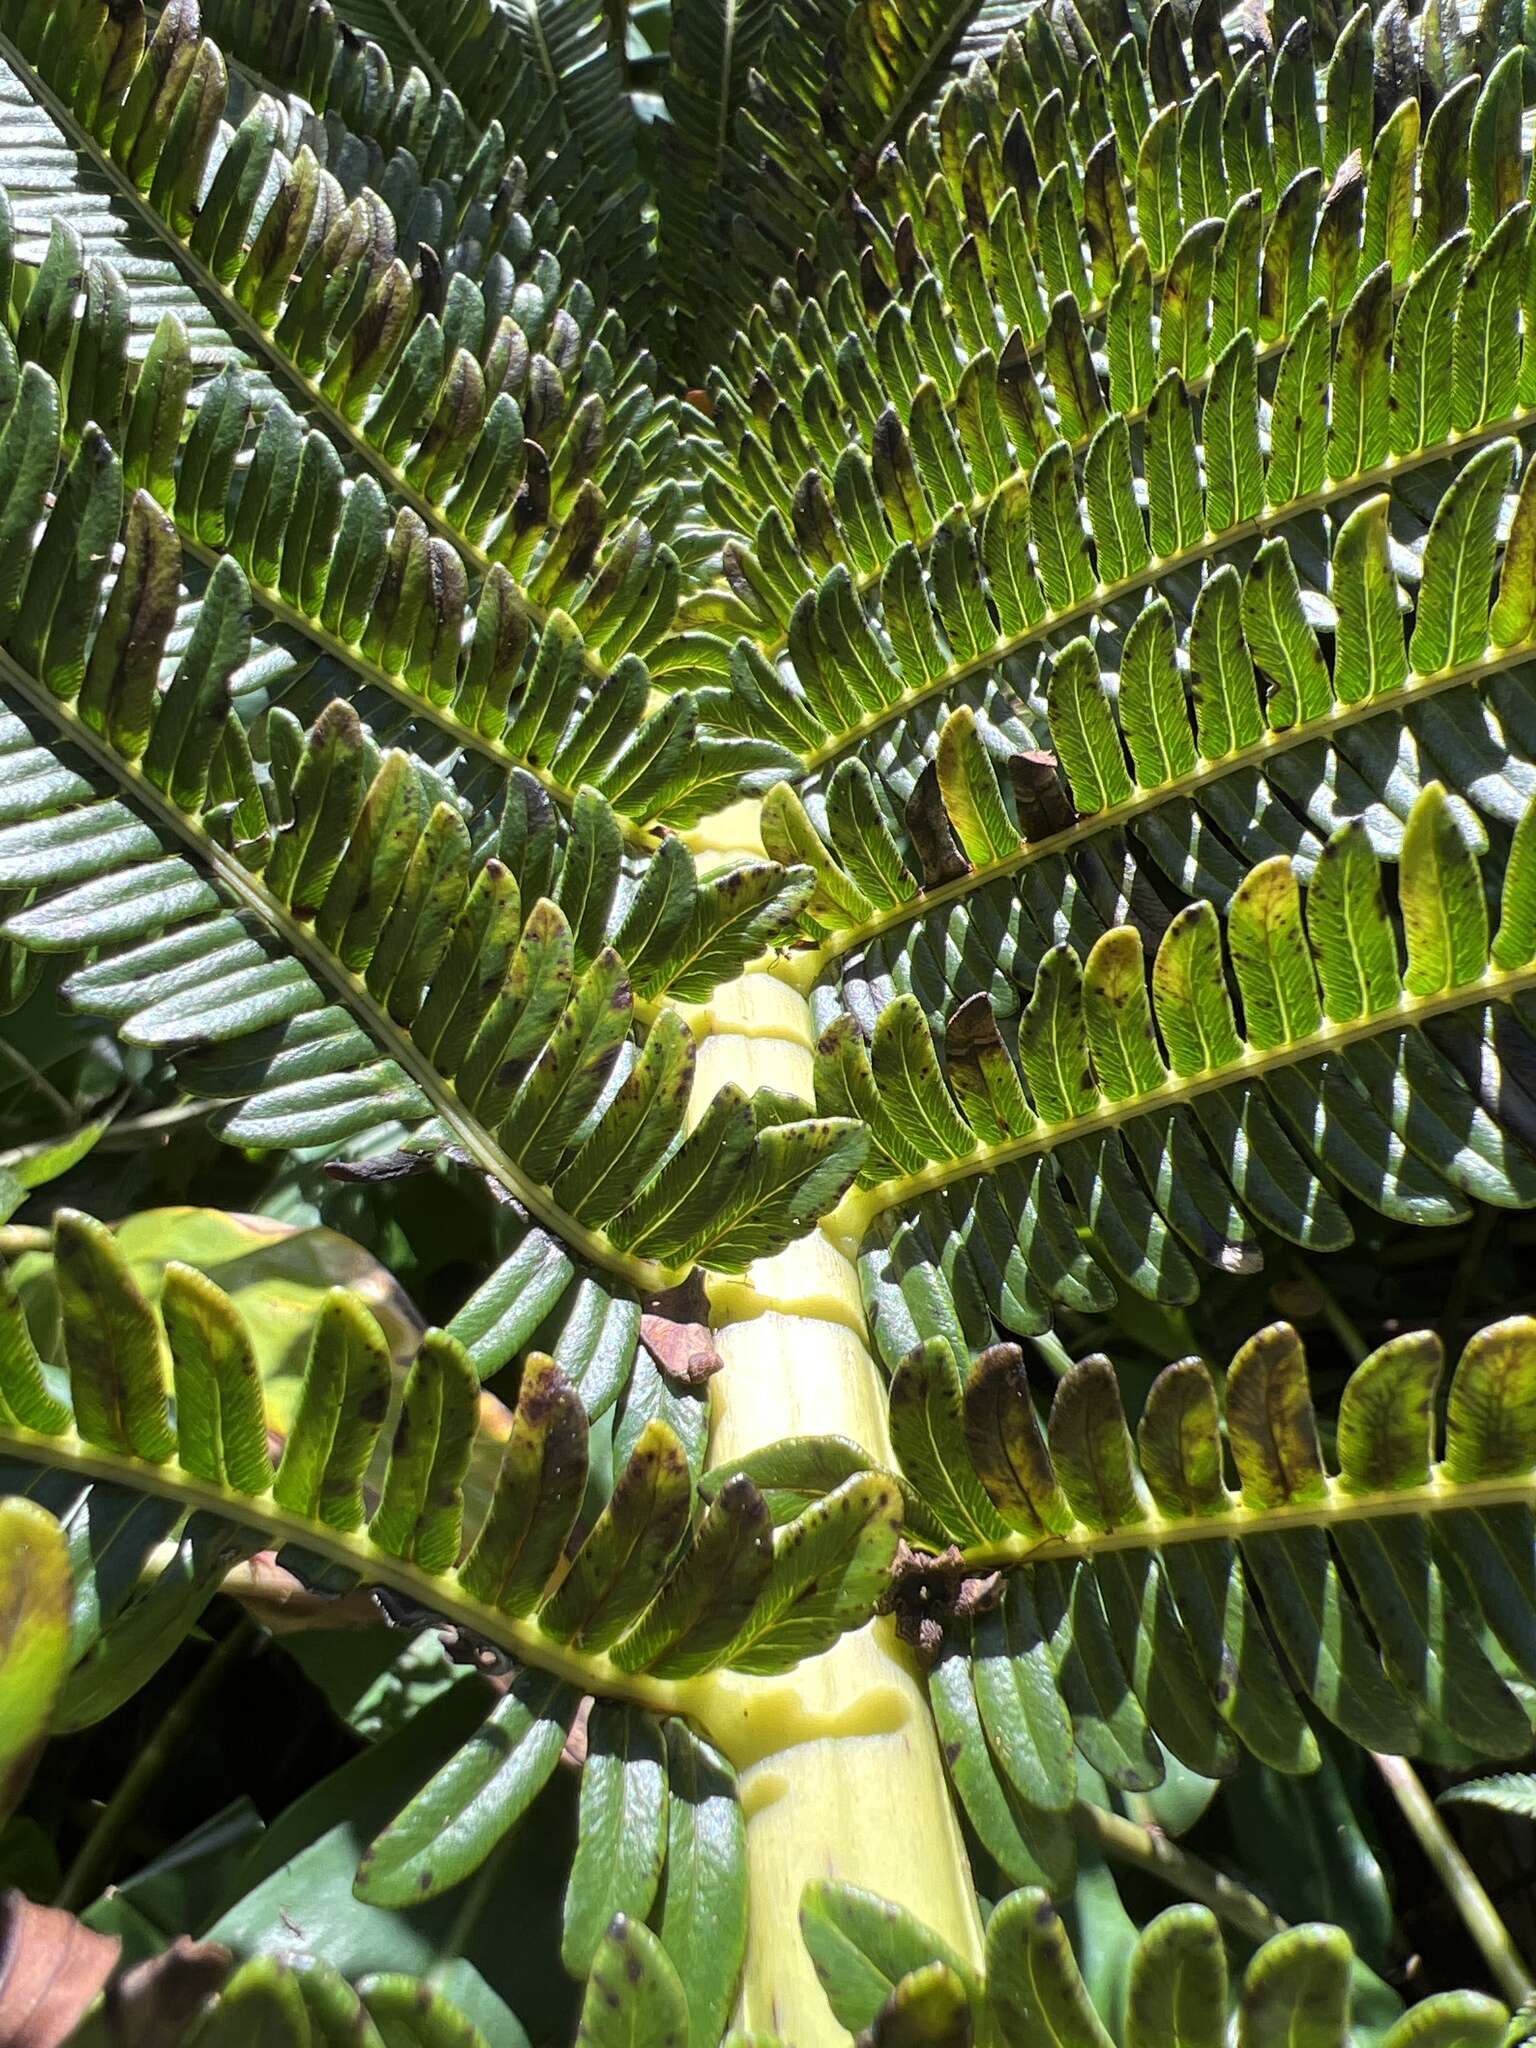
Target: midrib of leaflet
(847,1780)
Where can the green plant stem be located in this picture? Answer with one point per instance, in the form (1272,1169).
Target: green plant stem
(85,1875)
(1478,1912)
(17,1239)
(1465,1278)
(1124,1841)
(472,1903)
(31,1077)
(1335,1315)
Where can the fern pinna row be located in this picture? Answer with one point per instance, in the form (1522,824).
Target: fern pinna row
(1152,1611)
(361,864)
(153,1423)
(1172,1985)
(1147,1610)
(477,422)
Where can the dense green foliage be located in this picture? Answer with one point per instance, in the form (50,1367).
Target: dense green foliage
(1013,519)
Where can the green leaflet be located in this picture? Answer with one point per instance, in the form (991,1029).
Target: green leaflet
(34,1660)
(827,1565)
(1467,2013)
(116,1353)
(1358,432)
(703,1917)
(930,2005)
(1053,1045)
(1177,1995)
(260,2003)
(421,1508)
(1031,1846)
(341,1409)
(972,798)
(925,1418)
(567,1078)
(1005,1445)
(1033,1984)
(1084,731)
(1298,1982)
(1175,517)
(538,1493)
(1369,655)
(1271,958)
(1445,919)
(1351,934)
(1282,642)
(1028,1727)
(622,1841)
(454,1822)
(1487,1425)
(221,1427)
(863,1946)
(415,2014)
(634,1997)
(906,1071)
(636,1128)
(710,1592)
(1109,484)
(788,834)
(1452,617)
(333,2007)
(1234,488)
(1118,1017)
(612,1575)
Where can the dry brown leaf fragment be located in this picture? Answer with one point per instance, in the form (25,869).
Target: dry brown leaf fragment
(685,1352)
(151,2005)
(52,1970)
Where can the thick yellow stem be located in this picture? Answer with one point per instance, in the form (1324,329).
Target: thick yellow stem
(865,1799)
(842,1775)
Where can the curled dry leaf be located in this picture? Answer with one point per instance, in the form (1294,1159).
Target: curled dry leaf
(928,1592)
(574,1754)
(52,1969)
(686,1352)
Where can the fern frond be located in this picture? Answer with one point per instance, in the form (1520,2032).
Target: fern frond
(487,419)
(161,1409)
(1151,1607)
(375,599)
(904,596)
(379,965)
(548,73)
(1512,1792)
(702,175)
(831,84)
(1172,1131)
(891,1977)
